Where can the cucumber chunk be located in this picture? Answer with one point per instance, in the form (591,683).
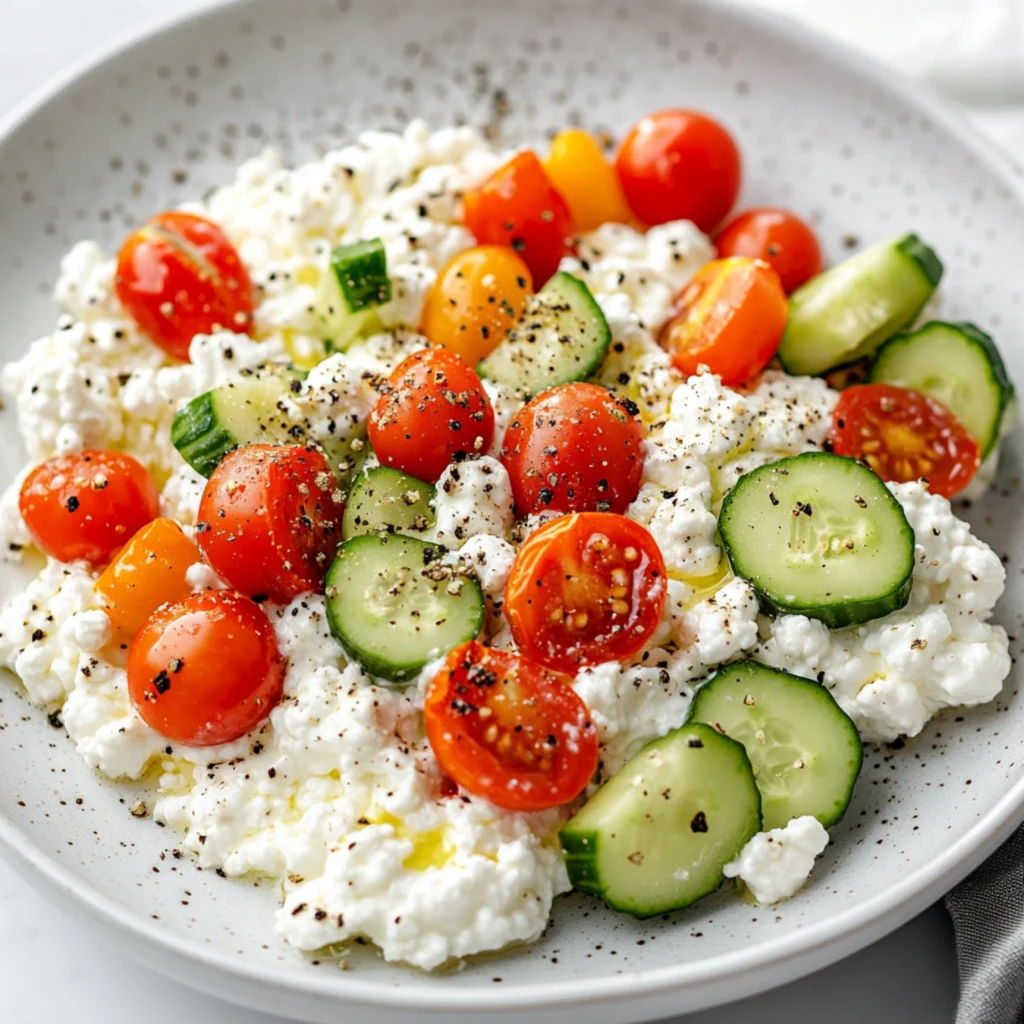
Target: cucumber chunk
(847,311)
(561,337)
(805,750)
(385,500)
(656,836)
(355,284)
(819,535)
(956,363)
(394,607)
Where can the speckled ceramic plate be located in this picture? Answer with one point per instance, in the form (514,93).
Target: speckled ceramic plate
(865,156)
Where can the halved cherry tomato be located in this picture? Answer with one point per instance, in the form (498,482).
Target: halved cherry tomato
(780,238)
(149,571)
(270,519)
(574,448)
(179,276)
(477,297)
(730,318)
(87,505)
(206,670)
(679,165)
(431,411)
(585,589)
(905,435)
(508,730)
(519,207)
(586,180)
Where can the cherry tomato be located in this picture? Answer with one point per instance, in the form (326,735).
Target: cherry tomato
(730,318)
(179,276)
(905,435)
(780,238)
(205,670)
(431,411)
(583,176)
(270,520)
(585,589)
(477,297)
(87,505)
(574,448)
(519,207)
(679,165)
(508,730)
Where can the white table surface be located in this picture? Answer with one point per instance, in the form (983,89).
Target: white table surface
(52,969)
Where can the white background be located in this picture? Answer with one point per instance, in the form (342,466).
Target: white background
(52,969)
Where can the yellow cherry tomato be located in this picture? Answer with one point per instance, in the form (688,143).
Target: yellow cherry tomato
(477,297)
(587,181)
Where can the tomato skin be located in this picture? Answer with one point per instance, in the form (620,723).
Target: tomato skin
(905,435)
(730,318)
(270,519)
(574,448)
(205,670)
(780,238)
(87,505)
(524,706)
(178,276)
(519,207)
(589,184)
(431,411)
(679,165)
(585,589)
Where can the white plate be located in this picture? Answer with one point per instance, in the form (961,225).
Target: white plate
(863,155)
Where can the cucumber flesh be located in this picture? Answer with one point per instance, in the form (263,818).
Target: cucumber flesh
(656,836)
(355,285)
(819,535)
(805,750)
(385,500)
(959,365)
(847,311)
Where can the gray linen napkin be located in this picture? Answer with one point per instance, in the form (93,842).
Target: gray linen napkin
(988,917)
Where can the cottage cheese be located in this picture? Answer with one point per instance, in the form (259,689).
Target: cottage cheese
(775,864)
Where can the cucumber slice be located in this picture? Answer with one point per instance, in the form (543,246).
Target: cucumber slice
(847,311)
(956,363)
(563,336)
(656,836)
(393,606)
(805,750)
(385,500)
(819,535)
(355,284)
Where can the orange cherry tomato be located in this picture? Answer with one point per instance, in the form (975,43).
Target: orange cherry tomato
(508,730)
(179,276)
(205,670)
(431,411)
(586,180)
(585,589)
(574,448)
(87,505)
(679,165)
(149,571)
(905,435)
(780,238)
(519,207)
(730,318)
(477,297)
(270,520)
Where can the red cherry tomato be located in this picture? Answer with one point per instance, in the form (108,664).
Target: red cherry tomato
(431,411)
(780,238)
(205,670)
(905,435)
(585,589)
(270,520)
(519,207)
(87,505)
(574,448)
(179,276)
(508,730)
(679,165)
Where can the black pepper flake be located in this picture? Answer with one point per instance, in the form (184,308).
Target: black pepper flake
(73,503)
(699,823)
(55,720)
(695,742)
(37,635)
(162,681)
